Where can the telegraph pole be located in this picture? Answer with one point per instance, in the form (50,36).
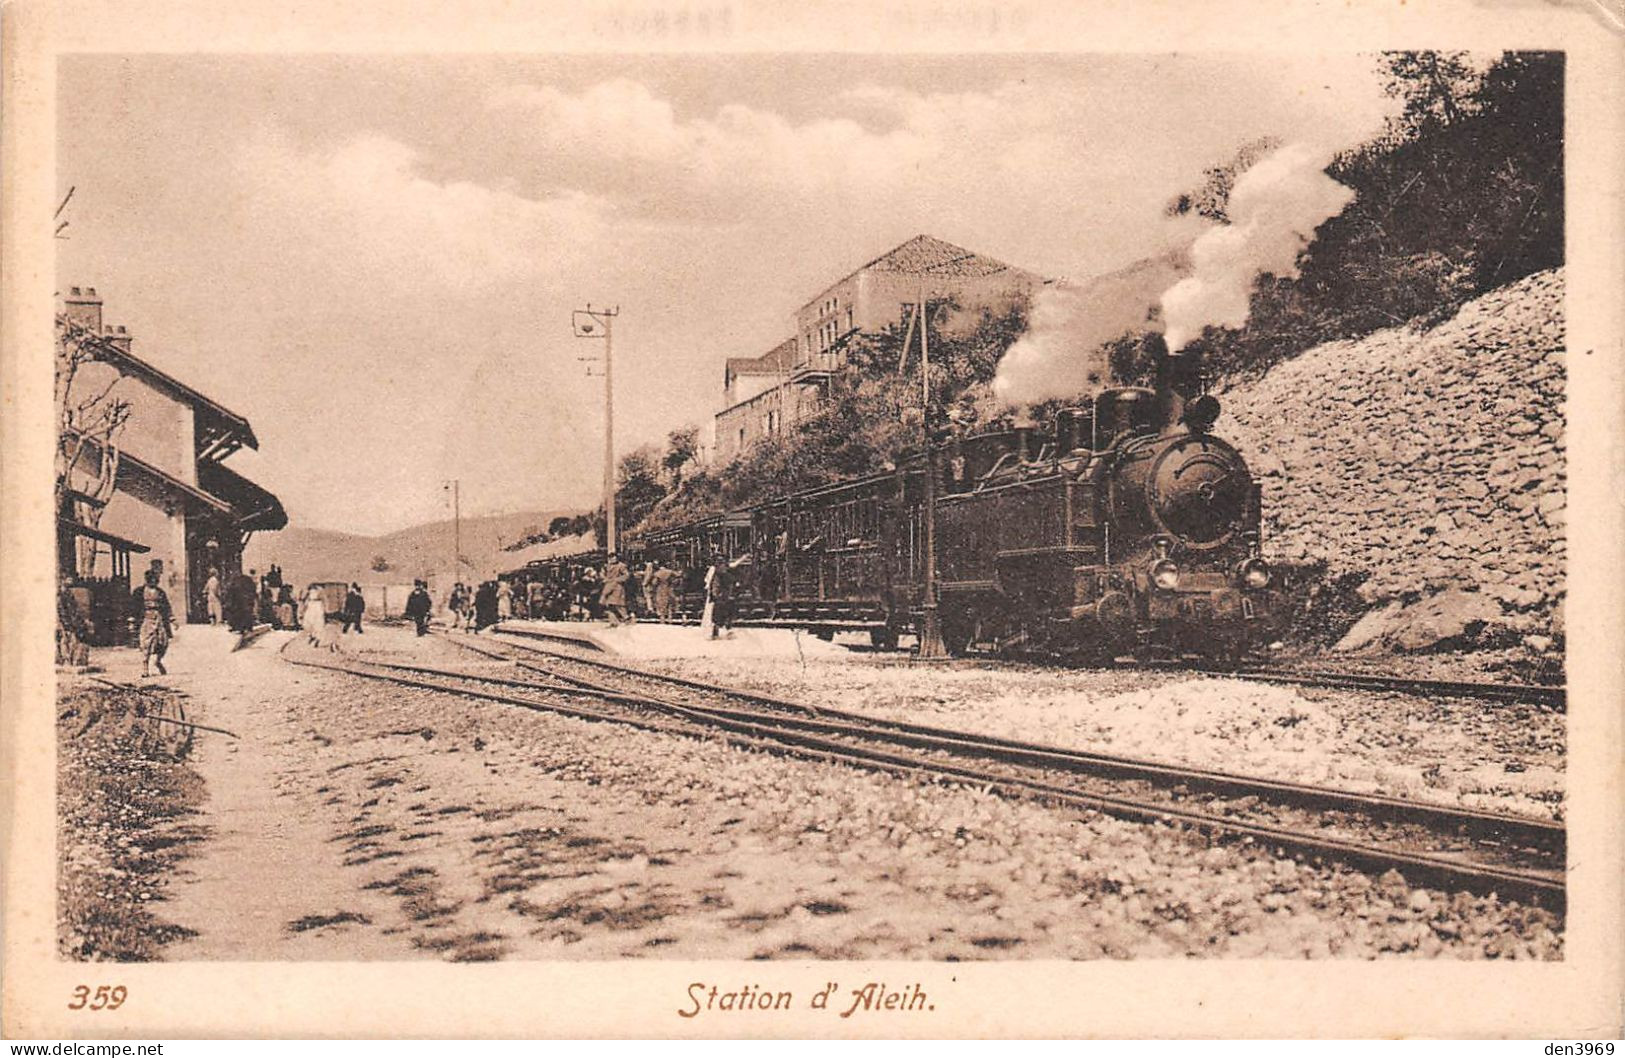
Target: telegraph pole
(931,645)
(600,323)
(456,528)
(609,434)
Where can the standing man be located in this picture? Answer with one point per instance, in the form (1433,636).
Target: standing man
(719,591)
(418,605)
(354,606)
(211,597)
(485,607)
(647,584)
(504,600)
(243,596)
(613,595)
(663,589)
(157,623)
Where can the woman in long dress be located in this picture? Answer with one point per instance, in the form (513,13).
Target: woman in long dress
(315,615)
(708,616)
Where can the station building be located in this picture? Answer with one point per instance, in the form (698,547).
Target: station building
(767,394)
(173,504)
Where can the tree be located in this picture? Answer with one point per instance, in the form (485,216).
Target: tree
(639,486)
(863,423)
(1437,89)
(682,446)
(380,564)
(1461,193)
(1213,196)
(89,421)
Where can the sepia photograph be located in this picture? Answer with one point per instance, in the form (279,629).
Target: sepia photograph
(725,509)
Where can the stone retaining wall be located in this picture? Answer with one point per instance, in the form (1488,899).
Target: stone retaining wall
(1432,461)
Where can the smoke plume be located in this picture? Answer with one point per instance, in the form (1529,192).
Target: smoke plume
(1062,353)
(1274,210)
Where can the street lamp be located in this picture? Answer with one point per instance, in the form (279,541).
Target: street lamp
(600,323)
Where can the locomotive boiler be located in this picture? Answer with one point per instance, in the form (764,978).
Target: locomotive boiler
(1124,526)
(1127,526)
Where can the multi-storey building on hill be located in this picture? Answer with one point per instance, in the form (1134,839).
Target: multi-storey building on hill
(765,395)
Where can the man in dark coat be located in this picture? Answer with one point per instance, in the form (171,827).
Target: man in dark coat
(244,597)
(418,606)
(613,595)
(354,606)
(485,606)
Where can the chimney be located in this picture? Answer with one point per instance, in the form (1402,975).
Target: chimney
(119,338)
(1179,381)
(84,307)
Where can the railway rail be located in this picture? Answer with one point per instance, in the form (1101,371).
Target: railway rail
(1548,696)
(1449,847)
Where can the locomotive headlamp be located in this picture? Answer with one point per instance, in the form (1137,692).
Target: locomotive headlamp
(1202,413)
(1165,574)
(1255,573)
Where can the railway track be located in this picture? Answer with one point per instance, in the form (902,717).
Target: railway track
(1550,697)
(1544,695)
(1446,847)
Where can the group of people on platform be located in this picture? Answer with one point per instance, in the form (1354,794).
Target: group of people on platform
(319,628)
(247,599)
(476,609)
(617,594)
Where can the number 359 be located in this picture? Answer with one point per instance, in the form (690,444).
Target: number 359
(104,998)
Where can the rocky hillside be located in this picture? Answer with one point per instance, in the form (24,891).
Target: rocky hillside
(1430,462)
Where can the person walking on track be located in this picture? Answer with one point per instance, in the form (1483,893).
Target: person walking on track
(418,606)
(315,615)
(354,606)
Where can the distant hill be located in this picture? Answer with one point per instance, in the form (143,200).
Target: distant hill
(321,554)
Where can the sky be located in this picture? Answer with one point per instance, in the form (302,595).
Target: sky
(375,259)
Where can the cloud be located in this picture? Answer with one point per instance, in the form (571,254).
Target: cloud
(367,195)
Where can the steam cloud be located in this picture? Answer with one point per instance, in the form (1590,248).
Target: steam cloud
(1062,353)
(1274,210)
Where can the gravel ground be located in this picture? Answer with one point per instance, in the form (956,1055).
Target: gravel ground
(499,833)
(126,800)
(1451,752)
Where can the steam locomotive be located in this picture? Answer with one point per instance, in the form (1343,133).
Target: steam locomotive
(1125,526)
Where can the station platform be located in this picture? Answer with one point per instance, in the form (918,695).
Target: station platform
(656,640)
(194,648)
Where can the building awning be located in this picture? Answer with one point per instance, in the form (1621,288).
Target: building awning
(254,506)
(219,491)
(154,486)
(117,542)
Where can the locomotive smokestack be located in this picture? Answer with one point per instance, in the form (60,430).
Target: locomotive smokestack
(1024,431)
(1179,381)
